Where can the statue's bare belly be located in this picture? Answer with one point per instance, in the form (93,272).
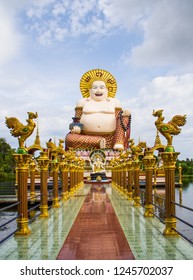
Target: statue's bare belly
(98,122)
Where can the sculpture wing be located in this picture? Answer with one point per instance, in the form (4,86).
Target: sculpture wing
(179,120)
(17,128)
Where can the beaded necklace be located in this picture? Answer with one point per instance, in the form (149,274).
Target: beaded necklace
(122,123)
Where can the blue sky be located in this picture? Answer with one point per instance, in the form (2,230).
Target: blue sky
(47,45)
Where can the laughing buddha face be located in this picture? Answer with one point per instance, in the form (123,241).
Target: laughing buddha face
(98,92)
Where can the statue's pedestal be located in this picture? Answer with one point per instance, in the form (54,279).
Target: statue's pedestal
(98,176)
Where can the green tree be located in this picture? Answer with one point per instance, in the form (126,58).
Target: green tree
(187,166)
(7,163)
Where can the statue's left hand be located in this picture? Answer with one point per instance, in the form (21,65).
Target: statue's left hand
(126,113)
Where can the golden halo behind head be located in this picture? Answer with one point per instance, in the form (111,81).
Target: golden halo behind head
(98,75)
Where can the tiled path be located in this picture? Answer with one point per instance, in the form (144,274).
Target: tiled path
(144,235)
(96,233)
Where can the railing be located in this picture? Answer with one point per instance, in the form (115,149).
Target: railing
(162,209)
(35,207)
(71,175)
(130,187)
(32,217)
(155,198)
(9,221)
(183,221)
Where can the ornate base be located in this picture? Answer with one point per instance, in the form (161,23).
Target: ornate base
(32,197)
(65,196)
(55,203)
(170,227)
(44,211)
(149,209)
(23,228)
(136,201)
(129,195)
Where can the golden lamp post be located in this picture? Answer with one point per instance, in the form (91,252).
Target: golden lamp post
(63,166)
(180,175)
(32,168)
(136,151)
(22,163)
(129,179)
(169,157)
(55,167)
(22,159)
(136,195)
(149,163)
(72,178)
(169,162)
(124,178)
(43,163)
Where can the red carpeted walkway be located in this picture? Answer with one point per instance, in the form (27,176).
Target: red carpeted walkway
(96,233)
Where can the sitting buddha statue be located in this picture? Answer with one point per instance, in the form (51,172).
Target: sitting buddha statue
(100,121)
(98,166)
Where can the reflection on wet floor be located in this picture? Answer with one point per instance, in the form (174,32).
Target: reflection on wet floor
(96,233)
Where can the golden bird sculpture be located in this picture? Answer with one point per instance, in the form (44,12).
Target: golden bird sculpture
(169,129)
(21,131)
(136,149)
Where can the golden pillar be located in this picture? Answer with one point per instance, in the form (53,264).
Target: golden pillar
(64,177)
(136,195)
(180,175)
(16,176)
(112,175)
(124,176)
(75,176)
(129,179)
(32,168)
(149,162)
(80,181)
(119,176)
(22,163)
(43,163)
(71,186)
(169,162)
(154,177)
(80,171)
(55,167)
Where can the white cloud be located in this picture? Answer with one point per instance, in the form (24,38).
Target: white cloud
(128,13)
(168,36)
(165,28)
(173,94)
(10,38)
(71,19)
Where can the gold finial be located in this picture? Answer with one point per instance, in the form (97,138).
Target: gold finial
(157,140)
(37,139)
